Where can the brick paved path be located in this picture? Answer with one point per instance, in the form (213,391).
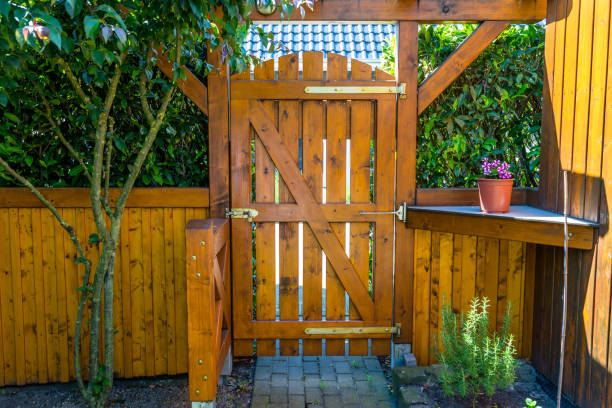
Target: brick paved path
(343,382)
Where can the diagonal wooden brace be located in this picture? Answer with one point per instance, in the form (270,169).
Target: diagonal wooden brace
(329,241)
(458,61)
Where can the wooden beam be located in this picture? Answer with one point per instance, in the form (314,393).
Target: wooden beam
(406,72)
(458,61)
(462,196)
(218,136)
(288,89)
(288,329)
(420,10)
(193,88)
(79,197)
(544,233)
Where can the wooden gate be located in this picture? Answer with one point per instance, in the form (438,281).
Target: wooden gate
(311,152)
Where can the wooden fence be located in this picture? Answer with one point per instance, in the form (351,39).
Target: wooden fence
(577,137)
(39,281)
(463,266)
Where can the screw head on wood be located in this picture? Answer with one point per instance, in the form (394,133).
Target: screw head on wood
(205,378)
(199,361)
(197,274)
(193,257)
(202,243)
(197,392)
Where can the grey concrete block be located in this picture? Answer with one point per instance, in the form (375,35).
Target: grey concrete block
(410,395)
(278,395)
(297,401)
(279,380)
(296,387)
(343,367)
(311,367)
(296,373)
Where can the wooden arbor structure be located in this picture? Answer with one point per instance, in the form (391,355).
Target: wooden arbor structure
(430,259)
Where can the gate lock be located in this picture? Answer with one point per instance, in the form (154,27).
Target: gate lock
(248,213)
(400,212)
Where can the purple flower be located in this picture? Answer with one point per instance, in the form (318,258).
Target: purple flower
(495,168)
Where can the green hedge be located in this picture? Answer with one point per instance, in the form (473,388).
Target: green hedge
(178,158)
(493,108)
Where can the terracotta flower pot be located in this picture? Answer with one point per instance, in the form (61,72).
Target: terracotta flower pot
(495,194)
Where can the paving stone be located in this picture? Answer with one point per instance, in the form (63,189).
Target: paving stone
(279,380)
(368,401)
(296,387)
(280,368)
(295,361)
(329,387)
(328,375)
(363,387)
(312,381)
(408,376)
(261,387)
(310,358)
(372,364)
(296,373)
(297,401)
(264,361)
(349,396)
(311,367)
(339,358)
(346,380)
(343,367)
(314,395)
(333,401)
(263,373)
(260,401)
(278,395)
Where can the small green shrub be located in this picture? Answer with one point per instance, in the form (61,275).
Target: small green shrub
(531,403)
(474,359)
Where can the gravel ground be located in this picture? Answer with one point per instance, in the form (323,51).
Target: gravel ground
(167,392)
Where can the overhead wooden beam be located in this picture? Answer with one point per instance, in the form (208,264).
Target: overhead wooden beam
(458,61)
(420,10)
(193,88)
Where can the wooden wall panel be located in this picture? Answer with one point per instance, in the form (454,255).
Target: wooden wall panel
(38,292)
(453,268)
(577,137)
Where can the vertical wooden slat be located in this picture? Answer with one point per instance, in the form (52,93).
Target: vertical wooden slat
(17,295)
(170,284)
(422,291)
(435,298)
(39,290)
(62,299)
(126,291)
(502,283)
(29,294)
(491,278)
(457,266)
(265,232)
(8,312)
(468,271)
(383,245)
(528,292)
(361,137)
(337,131)
(312,136)
(158,263)
(180,297)
(515,277)
(289,128)
(50,292)
(406,72)
(148,292)
(242,239)
(137,292)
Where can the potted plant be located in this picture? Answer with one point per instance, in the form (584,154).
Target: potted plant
(495,187)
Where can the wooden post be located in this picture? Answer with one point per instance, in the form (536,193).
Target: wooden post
(218,136)
(405,72)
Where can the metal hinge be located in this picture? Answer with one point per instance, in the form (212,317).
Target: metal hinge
(400,212)
(400,89)
(353,330)
(248,213)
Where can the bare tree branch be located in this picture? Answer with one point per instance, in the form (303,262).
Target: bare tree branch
(59,133)
(73,80)
(142,84)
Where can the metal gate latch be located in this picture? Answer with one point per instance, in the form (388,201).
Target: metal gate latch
(248,213)
(400,212)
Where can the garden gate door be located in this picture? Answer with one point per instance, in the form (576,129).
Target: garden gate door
(312,153)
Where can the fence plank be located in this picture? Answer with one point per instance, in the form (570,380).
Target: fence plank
(313,122)
(50,294)
(8,300)
(289,128)
(422,282)
(337,132)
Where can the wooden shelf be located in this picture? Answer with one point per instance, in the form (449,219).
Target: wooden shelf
(521,223)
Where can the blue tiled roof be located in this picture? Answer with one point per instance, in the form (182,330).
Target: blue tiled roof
(360,41)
